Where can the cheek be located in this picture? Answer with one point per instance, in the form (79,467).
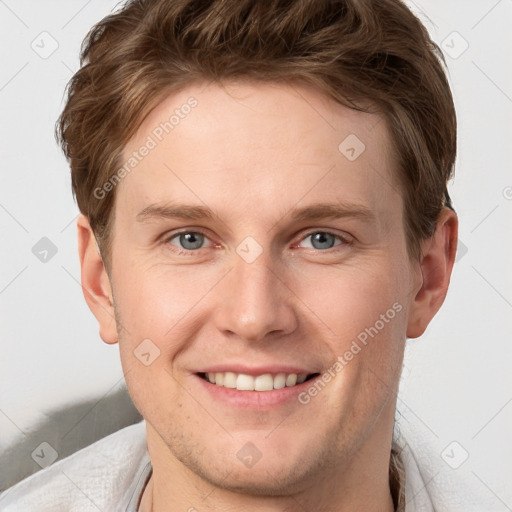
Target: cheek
(348,299)
(152,300)
(363,313)
(145,352)
(159,310)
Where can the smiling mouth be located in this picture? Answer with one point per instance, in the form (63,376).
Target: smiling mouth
(265,382)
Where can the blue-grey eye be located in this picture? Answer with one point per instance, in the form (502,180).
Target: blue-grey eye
(190,240)
(322,240)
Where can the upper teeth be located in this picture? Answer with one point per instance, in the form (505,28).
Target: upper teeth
(265,382)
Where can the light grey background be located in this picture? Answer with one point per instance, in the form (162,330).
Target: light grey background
(456,383)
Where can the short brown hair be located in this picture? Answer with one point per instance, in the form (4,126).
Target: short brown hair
(359,52)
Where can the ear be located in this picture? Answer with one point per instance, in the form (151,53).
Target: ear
(436,264)
(95,281)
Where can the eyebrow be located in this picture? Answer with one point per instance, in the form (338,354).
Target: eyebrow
(340,210)
(317,211)
(174,211)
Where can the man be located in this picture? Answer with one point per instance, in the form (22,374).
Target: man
(264,221)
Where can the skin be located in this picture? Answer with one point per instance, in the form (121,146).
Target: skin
(252,153)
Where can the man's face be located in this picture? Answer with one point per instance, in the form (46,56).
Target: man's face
(260,287)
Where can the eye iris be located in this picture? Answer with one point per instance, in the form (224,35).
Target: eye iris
(324,240)
(191,240)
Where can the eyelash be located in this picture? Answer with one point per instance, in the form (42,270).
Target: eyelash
(344,241)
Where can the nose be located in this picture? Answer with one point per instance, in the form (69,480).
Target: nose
(255,304)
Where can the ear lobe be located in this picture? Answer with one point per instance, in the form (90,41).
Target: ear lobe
(436,264)
(95,281)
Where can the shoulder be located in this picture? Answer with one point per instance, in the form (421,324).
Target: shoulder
(432,482)
(101,476)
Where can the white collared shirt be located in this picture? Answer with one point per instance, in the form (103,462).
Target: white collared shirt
(110,476)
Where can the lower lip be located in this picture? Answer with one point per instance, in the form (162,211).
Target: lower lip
(255,399)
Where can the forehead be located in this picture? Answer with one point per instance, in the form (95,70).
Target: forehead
(258,148)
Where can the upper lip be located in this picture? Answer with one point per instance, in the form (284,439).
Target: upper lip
(273,369)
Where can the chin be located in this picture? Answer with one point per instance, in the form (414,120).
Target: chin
(284,469)
(279,480)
